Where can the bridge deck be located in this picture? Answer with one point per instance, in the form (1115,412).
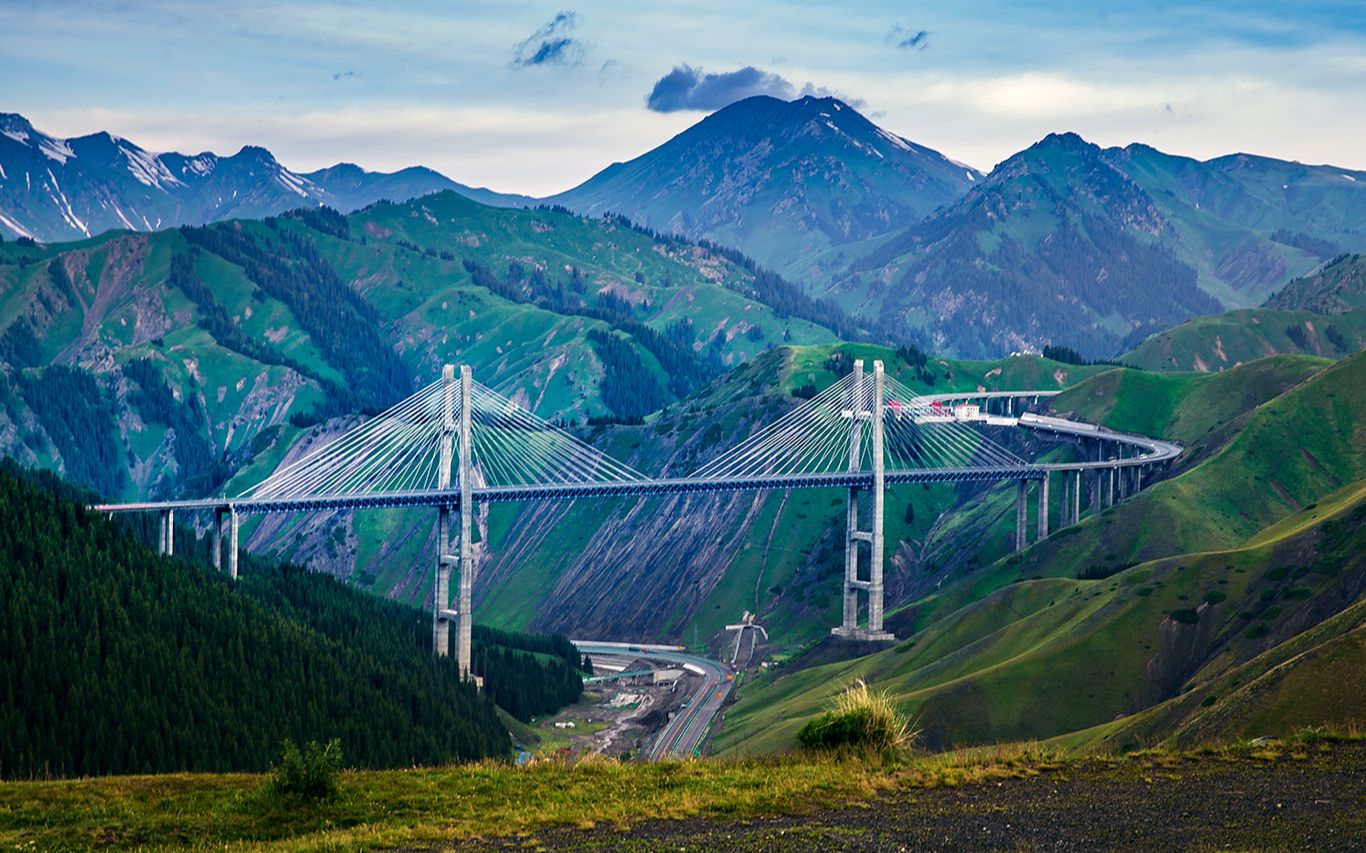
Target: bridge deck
(1151,451)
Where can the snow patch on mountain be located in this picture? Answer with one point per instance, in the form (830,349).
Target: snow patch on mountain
(293,182)
(56,149)
(894,139)
(148,169)
(202,165)
(124,219)
(64,206)
(15,227)
(17,135)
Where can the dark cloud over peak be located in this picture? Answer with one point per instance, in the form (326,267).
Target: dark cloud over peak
(908,39)
(551,44)
(689,88)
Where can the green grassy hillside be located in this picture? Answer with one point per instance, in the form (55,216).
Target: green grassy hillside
(1040,658)
(1221,341)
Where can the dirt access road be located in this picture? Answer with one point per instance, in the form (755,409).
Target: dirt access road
(1314,802)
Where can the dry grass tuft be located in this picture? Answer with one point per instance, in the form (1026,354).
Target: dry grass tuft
(861,719)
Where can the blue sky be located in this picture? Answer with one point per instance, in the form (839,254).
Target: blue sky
(534,97)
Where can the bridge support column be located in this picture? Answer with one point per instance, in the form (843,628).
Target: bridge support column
(1021,515)
(218,539)
(1076,496)
(232,542)
(850,623)
(465,606)
(853,584)
(441,582)
(166,533)
(1043,508)
(879,495)
(1064,499)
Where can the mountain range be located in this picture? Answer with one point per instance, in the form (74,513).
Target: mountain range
(1064,243)
(781,180)
(1096,248)
(64,189)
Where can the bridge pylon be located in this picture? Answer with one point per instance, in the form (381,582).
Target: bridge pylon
(859,412)
(453,429)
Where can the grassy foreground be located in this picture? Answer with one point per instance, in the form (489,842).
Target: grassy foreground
(433,806)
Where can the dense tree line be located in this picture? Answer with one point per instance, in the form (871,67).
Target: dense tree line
(19,346)
(116,660)
(155,401)
(1306,242)
(78,416)
(344,327)
(60,280)
(324,220)
(528,675)
(628,387)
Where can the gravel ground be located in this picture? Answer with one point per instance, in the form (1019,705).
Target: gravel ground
(1313,802)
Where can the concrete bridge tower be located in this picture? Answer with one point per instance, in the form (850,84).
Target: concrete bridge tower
(859,412)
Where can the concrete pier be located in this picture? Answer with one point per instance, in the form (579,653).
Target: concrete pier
(232,542)
(465,606)
(441,585)
(218,521)
(1021,515)
(1043,508)
(860,411)
(166,533)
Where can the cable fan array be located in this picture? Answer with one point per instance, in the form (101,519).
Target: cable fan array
(917,436)
(818,437)
(813,438)
(513,447)
(400,450)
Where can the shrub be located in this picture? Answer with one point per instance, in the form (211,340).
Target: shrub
(309,774)
(1185,616)
(861,719)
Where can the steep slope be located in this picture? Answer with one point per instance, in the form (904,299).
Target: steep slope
(1255,540)
(117,660)
(779,180)
(64,189)
(1338,288)
(1068,243)
(1055,246)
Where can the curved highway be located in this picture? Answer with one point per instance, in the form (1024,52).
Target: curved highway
(682,736)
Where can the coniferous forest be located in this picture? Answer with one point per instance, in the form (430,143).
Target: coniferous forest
(114,659)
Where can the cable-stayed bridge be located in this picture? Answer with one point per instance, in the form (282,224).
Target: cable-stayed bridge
(457,443)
